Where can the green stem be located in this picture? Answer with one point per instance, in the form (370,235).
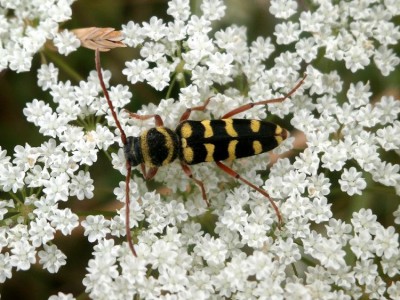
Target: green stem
(15,197)
(108,155)
(168,95)
(63,66)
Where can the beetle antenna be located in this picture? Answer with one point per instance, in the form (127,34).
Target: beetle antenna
(123,139)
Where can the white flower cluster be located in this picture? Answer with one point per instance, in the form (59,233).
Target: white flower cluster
(25,26)
(355,32)
(235,250)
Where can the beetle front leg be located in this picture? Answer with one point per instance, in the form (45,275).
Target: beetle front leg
(157,119)
(188,111)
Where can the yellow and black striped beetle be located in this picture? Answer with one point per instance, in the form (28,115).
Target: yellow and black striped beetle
(195,142)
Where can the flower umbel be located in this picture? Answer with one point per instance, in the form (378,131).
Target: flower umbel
(344,144)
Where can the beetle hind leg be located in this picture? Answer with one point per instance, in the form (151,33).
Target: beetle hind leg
(232,173)
(200,184)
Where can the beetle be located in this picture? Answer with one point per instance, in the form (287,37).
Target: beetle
(194,142)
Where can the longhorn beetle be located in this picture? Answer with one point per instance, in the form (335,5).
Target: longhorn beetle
(194,142)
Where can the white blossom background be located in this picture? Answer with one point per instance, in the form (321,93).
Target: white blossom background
(361,80)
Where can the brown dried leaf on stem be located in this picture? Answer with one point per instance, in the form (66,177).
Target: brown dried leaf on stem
(103,39)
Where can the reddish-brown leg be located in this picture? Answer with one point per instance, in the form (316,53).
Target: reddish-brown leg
(127,209)
(232,173)
(264,102)
(188,111)
(157,119)
(188,172)
(128,165)
(150,173)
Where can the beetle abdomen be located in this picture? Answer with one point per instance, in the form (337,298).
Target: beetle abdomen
(226,139)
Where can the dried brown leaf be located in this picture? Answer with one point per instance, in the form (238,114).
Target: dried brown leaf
(103,39)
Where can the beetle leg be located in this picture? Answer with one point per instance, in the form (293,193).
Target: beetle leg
(188,111)
(232,173)
(264,102)
(157,119)
(188,172)
(148,174)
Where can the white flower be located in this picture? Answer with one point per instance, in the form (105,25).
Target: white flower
(234,218)
(351,182)
(66,42)
(40,232)
(394,290)
(163,254)
(51,258)
(362,245)
(25,157)
(339,231)
(157,77)
(19,59)
(64,220)
(320,210)
(387,242)
(283,8)
(385,60)
(135,70)
(153,52)
(233,39)
(5,267)
(396,214)
(62,296)
(81,186)
(198,26)
(364,219)
(85,152)
(261,48)
(200,46)
(35,109)
(335,157)
(254,235)
(287,33)
(365,271)
(234,250)
(214,9)
(307,49)
(389,137)
(51,124)
(330,254)
(212,250)
(287,251)
(47,76)
(318,186)
(295,206)
(179,9)
(132,33)
(307,162)
(96,227)
(190,96)
(22,255)
(359,94)
(56,188)
(11,178)
(295,182)
(220,66)
(386,173)
(389,108)
(175,213)
(155,29)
